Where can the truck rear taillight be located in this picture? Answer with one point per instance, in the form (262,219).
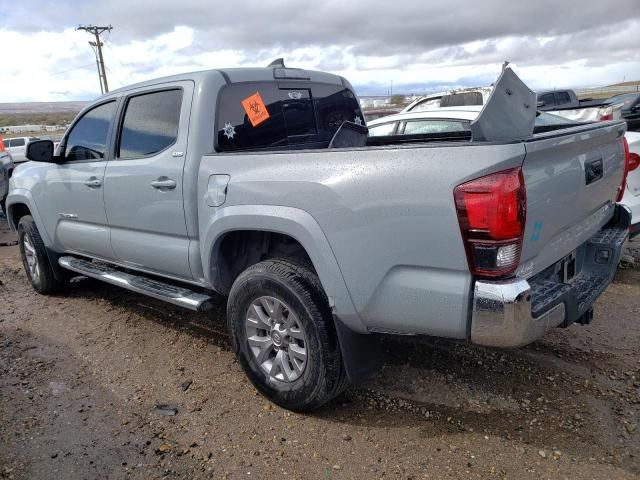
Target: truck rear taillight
(630,163)
(492,213)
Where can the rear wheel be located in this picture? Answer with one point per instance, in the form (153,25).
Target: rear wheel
(35,259)
(283,333)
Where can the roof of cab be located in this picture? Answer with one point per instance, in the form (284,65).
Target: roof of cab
(235,75)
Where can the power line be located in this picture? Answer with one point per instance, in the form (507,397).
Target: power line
(71,69)
(97,49)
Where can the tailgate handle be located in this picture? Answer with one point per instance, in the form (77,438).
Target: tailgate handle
(593,171)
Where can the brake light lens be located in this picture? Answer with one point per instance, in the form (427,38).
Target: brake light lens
(492,214)
(627,168)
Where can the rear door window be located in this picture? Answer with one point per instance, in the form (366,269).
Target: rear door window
(150,123)
(17,142)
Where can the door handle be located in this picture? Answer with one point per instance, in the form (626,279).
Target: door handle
(93,182)
(164,183)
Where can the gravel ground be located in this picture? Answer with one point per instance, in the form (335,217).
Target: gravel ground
(82,376)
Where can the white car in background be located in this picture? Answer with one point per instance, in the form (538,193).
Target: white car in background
(632,194)
(458,119)
(440,120)
(17,147)
(453,98)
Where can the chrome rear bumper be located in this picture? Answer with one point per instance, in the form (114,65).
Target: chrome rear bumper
(516,312)
(502,315)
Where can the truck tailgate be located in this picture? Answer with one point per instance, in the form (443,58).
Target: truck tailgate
(572,178)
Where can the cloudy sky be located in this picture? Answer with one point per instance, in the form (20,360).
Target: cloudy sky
(420,46)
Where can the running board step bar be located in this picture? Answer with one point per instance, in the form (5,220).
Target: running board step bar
(181,296)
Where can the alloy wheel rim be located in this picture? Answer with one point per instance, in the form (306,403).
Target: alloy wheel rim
(276,339)
(32,259)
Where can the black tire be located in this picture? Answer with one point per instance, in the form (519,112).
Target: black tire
(3,206)
(45,281)
(297,286)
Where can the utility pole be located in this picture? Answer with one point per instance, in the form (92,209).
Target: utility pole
(97,45)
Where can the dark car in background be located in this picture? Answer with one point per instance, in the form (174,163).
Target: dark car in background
(6,169)
(630,109)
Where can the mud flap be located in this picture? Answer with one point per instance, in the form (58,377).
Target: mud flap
(59,273)
(361,353)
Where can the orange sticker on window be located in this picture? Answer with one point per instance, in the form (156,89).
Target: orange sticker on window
(255,108)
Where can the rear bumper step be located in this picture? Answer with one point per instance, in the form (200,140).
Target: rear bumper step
(181,296)
(516,312)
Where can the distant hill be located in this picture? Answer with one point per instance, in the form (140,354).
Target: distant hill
(41,107)
(626,84)
(39,113)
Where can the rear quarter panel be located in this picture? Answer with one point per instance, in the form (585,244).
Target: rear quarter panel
(389,217)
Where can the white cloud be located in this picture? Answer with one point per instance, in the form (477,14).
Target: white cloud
(417,46)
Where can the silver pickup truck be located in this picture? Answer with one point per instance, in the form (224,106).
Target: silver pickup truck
(262,185)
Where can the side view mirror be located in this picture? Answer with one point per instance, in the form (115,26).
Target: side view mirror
(40,151)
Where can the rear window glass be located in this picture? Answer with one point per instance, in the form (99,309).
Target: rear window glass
(461,99)
(282,115)
(562,98)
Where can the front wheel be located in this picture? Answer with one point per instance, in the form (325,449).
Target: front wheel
(283,334)
(35,258)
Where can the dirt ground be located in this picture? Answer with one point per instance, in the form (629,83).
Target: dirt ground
(82,376)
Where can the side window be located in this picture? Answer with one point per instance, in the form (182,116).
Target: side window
(432,126)
(7,142)
(382,130)
(562,98)
(548,99)
(150,123)
(87,140)
(17,142)
(425,105)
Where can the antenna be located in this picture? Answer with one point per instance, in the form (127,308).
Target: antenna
(277,63)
